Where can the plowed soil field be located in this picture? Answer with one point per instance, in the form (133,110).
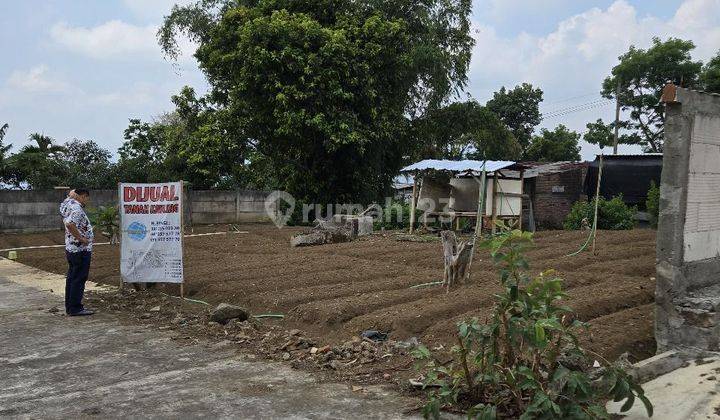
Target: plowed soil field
(336,291)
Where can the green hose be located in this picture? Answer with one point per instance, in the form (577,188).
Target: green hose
(587,242)
(269,316)
(432,283)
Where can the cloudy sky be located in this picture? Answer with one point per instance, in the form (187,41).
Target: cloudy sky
(81,68)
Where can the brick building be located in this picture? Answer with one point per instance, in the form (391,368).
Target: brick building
(551,189)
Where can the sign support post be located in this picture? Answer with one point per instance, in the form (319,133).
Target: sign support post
(151,246)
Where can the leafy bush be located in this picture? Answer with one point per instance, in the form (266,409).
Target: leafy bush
(652,203)
(613,214)
(396,216)
(107,219)
(525,361)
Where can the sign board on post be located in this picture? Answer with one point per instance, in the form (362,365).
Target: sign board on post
(152,232)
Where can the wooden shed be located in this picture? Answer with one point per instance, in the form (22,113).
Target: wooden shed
(451,190)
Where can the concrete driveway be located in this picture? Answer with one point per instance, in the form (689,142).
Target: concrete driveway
(53,366)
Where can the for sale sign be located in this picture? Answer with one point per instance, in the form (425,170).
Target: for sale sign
(152,232)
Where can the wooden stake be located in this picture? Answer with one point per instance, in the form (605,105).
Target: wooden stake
(494,207)
(522,192)
(413,204)
(597,200)
(120,209)
(478,219)
(182,233)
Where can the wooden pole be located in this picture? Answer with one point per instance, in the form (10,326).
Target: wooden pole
(522,192)
(120,240)
(617,117)
(481,203)
(182,233)
(494,207)
(597,200)
(413,204)
(478,219)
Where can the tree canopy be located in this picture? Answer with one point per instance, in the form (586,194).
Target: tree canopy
(464,130)
(710,76)
(519,109)
(641,75)
(560,144)
(323,90)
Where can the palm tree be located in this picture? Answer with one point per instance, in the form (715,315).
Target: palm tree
(44,146)
(3,149)
(3,130)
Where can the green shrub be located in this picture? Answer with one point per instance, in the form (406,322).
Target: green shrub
(107,220)
(652,203)
(613,214)
(396,216)
(525,361)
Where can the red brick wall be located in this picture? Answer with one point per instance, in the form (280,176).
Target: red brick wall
(554,195)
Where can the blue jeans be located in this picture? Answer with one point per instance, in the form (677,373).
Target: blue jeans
(77,275)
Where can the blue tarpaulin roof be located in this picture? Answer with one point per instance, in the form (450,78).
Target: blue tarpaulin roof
(457,165)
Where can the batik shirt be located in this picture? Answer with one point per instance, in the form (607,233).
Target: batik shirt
(72,212)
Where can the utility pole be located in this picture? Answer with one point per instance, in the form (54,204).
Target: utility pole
(617,116)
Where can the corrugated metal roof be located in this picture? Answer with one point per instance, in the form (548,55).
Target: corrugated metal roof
(458,165)
(541,168)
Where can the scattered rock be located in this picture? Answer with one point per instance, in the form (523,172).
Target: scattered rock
(410,343)
(325,232)
(374,335)
(386,376)
(286,356)
(54,310)
(294,332)
(223,343)
(313,350)
(225,312)
(155,309)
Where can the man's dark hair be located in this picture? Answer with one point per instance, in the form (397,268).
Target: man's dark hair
(82,191)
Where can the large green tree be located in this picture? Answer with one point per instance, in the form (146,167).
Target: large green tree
(603,134)
(323,90)
(88,165)
(37,166)
(561,144)
(464,130)
(519,109)
(641,75)
(193,143)
(710,76)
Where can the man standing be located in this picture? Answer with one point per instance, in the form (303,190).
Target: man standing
(78,247)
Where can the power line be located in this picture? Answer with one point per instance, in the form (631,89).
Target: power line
(573,107)
(585,107)
(571,98)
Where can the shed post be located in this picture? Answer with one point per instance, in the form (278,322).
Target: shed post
(522,192)
(494,196)
(413,204)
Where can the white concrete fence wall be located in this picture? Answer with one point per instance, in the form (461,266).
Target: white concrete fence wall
(37,210)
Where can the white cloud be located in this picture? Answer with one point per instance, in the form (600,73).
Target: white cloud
(115,39)
(36,79)
(154,9)
(574,58)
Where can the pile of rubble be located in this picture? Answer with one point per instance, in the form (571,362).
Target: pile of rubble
(340,228)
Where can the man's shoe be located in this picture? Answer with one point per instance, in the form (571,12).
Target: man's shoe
(84,312)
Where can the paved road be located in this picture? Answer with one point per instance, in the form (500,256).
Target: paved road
(53,366)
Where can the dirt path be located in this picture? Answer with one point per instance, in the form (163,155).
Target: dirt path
(337,291)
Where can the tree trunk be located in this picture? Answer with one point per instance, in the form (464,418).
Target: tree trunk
(456,256)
